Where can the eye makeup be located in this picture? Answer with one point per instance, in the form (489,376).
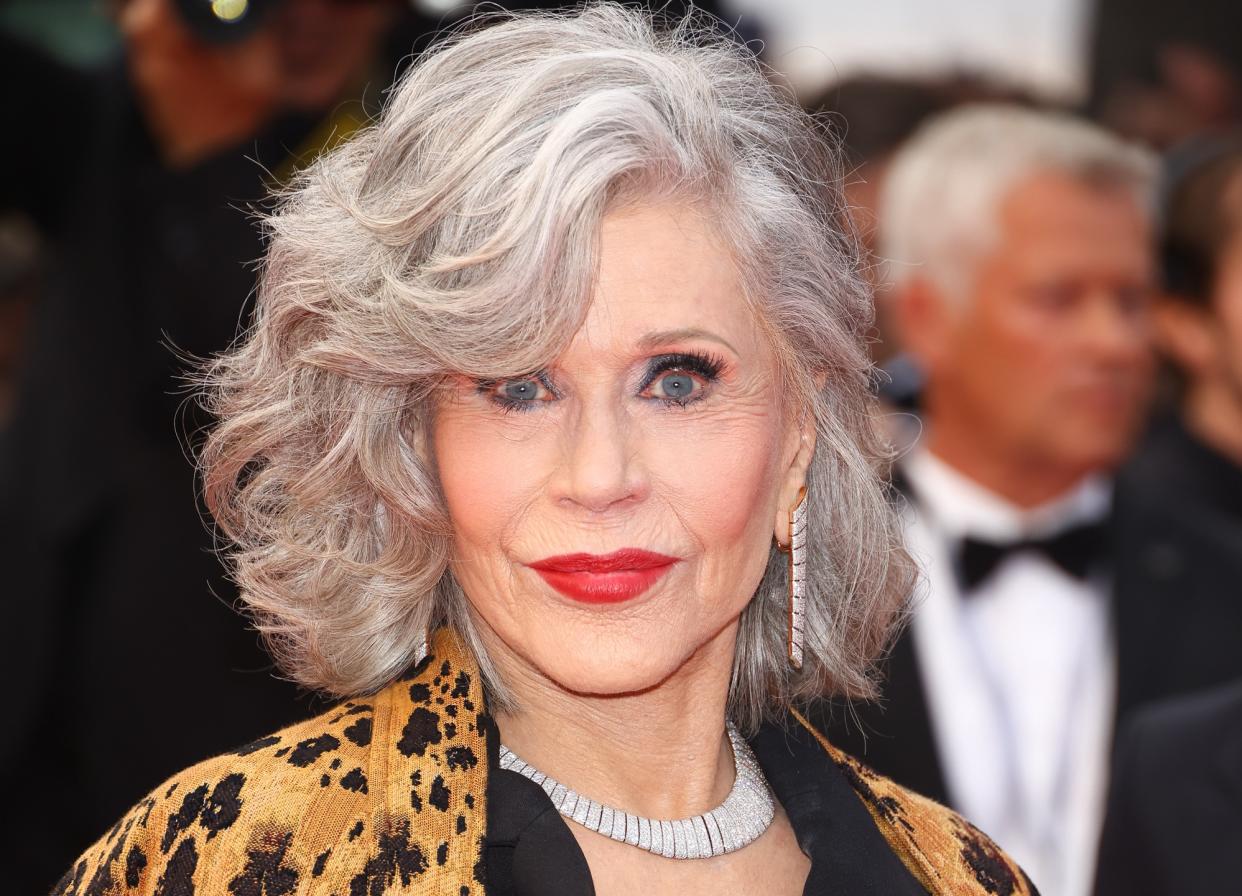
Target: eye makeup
(524,393)
(702,365)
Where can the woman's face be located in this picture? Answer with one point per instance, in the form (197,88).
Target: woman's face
(613,513)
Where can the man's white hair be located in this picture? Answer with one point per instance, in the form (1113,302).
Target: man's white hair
(943,192)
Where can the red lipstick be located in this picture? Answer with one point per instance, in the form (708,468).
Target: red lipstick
(603,578)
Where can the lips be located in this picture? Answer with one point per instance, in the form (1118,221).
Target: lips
(603,578)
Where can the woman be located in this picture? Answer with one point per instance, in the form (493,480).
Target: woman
(556,362)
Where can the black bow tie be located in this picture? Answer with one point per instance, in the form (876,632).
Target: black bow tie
(1074,550)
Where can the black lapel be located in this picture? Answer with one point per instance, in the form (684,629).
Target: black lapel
(893,735)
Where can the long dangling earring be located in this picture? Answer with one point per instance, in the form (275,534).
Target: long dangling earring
(797,577)
(422,648)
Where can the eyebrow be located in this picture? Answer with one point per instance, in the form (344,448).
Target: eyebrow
(657,338)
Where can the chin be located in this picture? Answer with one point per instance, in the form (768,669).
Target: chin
(596,663)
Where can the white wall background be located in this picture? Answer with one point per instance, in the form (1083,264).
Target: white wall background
(1036,44)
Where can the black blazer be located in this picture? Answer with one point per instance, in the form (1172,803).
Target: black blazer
(1176,562)
(1174,821)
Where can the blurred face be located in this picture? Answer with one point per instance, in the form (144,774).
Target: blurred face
(323,44)
(614,513)
(1227,308)
(1046,361)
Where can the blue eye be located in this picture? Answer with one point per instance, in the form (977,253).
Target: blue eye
(681,378)
(677,386)
(521,394)
(521,390)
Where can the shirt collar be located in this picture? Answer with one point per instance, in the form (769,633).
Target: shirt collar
(960,506)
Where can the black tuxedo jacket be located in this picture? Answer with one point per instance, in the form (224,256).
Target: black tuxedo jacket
(1174,820)
(1176,565)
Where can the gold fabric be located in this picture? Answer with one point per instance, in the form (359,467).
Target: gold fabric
(387,794)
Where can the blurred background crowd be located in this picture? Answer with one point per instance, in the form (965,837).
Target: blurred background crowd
(1052,196)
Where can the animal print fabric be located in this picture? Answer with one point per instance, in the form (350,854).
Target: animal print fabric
(945,853)
(386,795)
(380,795)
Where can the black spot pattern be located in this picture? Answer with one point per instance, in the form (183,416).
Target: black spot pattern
(255,745)
(191,806)
(397,859)
(360,732)
(321,862)
(442,853)
(311,749)
(266,873)
(356,831)
(178,877)
(361,707)
(886,807)
(986,862)
(461,687)
(325,779)
(416,801)
(419,668)
(421,731)
(224,805)
(355,781)
(135,862)
(461,757)
(420,693)
(439,796)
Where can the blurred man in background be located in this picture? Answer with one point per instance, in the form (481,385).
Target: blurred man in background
(1180,497)
(1020,276)
(140,175)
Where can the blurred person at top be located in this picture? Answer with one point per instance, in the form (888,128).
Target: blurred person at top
(1180,496)
(140,175)
(1166,72)
(1020,276)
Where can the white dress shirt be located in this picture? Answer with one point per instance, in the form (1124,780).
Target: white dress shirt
(1020,676)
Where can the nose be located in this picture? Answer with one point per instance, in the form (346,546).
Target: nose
(602,468)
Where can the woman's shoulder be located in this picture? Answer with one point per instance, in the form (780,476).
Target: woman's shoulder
(945,852)
(246,805)
(372,791)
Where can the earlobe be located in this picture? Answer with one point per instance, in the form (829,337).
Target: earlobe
(794,488)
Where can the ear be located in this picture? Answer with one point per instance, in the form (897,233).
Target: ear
(923,319)
(799,449)
(1185,332)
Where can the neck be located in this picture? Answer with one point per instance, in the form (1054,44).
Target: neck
(661,753)
(1213,412)
(1025,482)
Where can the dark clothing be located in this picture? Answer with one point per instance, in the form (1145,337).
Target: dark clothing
(1179,568)
(1175,552)
(120,607)
(531,852)
(1174,822)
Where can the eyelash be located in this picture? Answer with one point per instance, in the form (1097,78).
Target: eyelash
(703,364)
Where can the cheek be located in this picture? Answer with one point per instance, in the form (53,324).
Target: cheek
(486,480)
(722,480)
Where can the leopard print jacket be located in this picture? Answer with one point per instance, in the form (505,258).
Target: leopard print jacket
(387,795)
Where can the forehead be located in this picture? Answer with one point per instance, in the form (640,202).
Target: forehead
(1075,219)
(664,267)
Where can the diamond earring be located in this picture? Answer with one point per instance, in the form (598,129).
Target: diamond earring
(797,577)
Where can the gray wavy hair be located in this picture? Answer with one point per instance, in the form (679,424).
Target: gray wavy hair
(457,234)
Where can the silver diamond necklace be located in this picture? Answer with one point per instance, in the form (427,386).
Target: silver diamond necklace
(739,821)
